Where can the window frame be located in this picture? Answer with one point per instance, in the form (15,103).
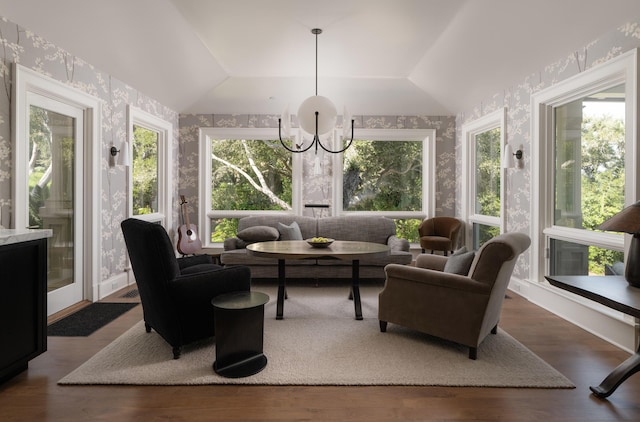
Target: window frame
(428,138)
(493,120)
(138,117)
(206,214)
(619,70)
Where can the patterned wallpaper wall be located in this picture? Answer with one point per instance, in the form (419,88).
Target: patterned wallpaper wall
(19,45)
(318,188)
(517,100)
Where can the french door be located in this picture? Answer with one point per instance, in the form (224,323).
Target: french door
(54,171)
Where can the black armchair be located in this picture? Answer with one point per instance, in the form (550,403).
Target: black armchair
(176,292)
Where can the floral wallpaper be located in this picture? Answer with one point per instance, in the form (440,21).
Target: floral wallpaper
(318,188)
(517,101)
(19,45)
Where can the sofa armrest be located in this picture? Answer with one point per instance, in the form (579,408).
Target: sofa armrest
(434,279)
(398,244)
(233,243)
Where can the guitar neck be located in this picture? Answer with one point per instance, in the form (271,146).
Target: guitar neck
(185,213)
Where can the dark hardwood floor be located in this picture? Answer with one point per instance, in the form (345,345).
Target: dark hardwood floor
(582,357)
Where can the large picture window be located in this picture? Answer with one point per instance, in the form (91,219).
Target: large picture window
(586,145)
(246,171)
(383,173)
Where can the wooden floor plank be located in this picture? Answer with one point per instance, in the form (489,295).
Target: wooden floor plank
(582,357)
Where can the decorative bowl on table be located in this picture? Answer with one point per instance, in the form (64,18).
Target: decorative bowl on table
(320,242)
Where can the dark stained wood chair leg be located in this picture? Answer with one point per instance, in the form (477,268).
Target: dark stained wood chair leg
(147,327)
(383,326)
(176,352)
(473,353)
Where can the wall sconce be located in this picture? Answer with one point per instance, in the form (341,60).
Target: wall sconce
(512,159)
(124,158)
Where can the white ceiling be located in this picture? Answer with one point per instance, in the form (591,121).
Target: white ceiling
(377,57)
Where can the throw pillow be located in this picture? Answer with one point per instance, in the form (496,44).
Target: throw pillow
(258,234)
(459,262)
(291,232)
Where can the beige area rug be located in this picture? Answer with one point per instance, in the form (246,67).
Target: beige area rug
(319,342)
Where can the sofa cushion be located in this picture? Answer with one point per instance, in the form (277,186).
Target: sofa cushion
(357,228)
(307,225)
(459,262)
(258,234)
(290,232)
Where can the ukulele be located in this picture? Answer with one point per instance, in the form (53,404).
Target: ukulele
(188,242)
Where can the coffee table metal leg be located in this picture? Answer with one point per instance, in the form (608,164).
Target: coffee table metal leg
(355,289)
(281,289)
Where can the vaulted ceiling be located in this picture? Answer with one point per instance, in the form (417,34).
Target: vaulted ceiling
(387,57)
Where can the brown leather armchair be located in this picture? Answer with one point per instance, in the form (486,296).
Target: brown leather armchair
(439,234)
(460,308)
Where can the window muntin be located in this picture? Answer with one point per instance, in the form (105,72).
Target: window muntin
(145,170)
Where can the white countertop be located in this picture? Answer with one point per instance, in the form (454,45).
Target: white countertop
(10,236)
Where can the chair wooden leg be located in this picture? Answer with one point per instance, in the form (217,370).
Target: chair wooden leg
(383,326)
(423,250)
(473,353)
(176,352)
(147,327)
(446,253)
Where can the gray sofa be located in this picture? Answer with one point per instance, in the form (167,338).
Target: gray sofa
(356,228)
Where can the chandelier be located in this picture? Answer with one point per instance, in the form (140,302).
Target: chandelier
(317,115)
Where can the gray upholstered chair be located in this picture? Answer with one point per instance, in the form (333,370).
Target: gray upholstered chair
(175,292)
(460,308)
(439,234)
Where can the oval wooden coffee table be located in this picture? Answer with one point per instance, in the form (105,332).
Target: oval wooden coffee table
(299,249)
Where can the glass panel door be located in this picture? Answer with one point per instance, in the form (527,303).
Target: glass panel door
(55,143)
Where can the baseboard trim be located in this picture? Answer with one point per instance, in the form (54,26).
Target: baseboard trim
(113,284)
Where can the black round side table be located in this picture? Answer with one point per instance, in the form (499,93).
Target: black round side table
(239,325)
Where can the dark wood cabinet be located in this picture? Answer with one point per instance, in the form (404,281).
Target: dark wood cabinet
(23,304)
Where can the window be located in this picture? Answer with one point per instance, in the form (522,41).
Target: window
(383,172)
(483,187)
(586,141)
(150,185)
(245,171)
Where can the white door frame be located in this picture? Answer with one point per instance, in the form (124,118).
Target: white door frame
(26,80)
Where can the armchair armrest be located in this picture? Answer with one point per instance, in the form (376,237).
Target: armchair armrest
(398,244)
(212,283)
(188,261)
(430,261)
(434,278)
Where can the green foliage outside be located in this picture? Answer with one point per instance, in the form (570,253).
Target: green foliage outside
(602,179)
(145,171)
(488,173)
(383,176)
